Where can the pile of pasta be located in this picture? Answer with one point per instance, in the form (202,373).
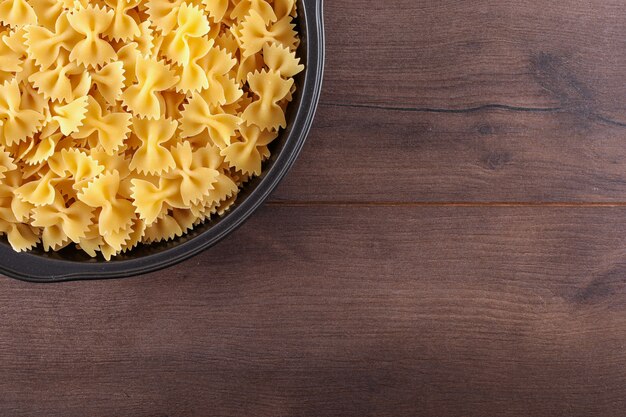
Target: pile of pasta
(129,121)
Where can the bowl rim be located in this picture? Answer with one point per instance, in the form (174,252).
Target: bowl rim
(30,267)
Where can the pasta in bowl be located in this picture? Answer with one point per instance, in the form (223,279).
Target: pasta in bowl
(137,133)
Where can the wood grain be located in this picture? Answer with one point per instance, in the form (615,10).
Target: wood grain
(451,243)
(458,54)
(486,100)
(492,155)
(320,311)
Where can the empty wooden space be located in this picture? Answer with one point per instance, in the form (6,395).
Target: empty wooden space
(452,242)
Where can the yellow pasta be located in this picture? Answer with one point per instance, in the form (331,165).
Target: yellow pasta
(216,8)
(104,129)
(199,114)
(192,23)
(69,117)
(151,77)
(44,45)
(11,62)
(193,76)
(247,154)
(123,27)
(91,22)
(17,13)
(109,81)
(128,122)
(76,166)
(151,157)
(256,31)
(265,112)
(116,213)
(19,122)
(47,12)
(163,14)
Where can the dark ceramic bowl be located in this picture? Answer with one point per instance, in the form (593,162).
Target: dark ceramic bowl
(71,264)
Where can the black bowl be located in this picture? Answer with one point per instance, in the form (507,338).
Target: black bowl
(71,264)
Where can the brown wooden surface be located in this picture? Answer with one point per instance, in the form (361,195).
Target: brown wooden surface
(452,242)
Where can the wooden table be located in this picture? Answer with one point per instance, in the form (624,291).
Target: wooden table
(452,242)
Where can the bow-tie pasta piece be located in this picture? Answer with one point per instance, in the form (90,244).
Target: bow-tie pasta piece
(247,154)
(255,33)
(40,191)
(193,179)
(116,213)
(104,129)
(151,197)
(19,122)
(193,76)
(92,241)
(114,242)
(184,218)
(217,64)
(79,167)
(123,27)
(74,219)
(64,81)
(138,230)
(21,237)
(192,23)
(163,229)
(265,112)
(69,117)
(151,157)
(282,60)
(41,148)
(91,22)
(109,81)
(198,115)
(152,77)
(221,190)
(19,208)
(224,189)
(44,45)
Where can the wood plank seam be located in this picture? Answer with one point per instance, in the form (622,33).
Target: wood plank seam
(476,109)
(573,204)
(491,106)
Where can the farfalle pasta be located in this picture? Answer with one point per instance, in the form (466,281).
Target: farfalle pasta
(128,122)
